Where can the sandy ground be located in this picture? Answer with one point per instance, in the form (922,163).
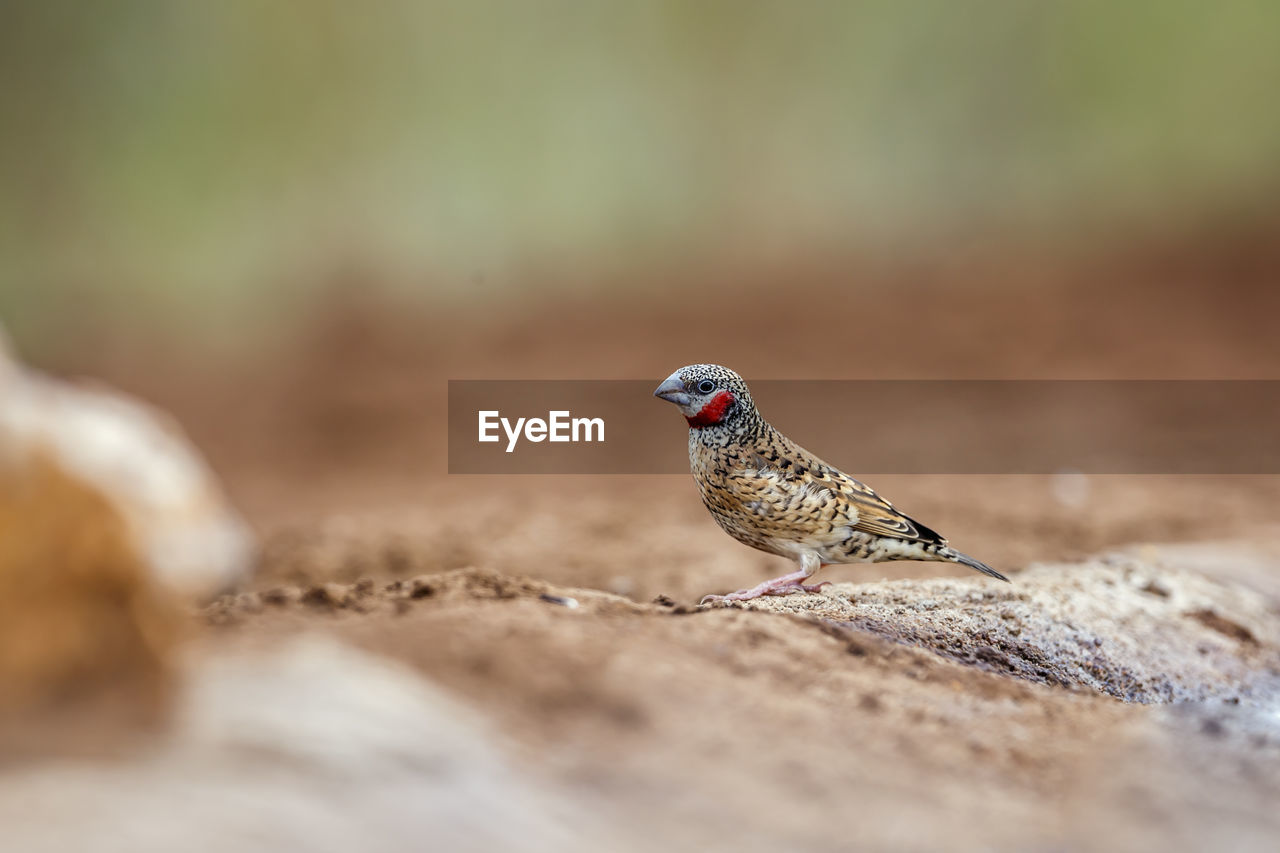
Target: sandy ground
(518,663)
(915,714)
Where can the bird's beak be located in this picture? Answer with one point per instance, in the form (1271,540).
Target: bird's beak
(672,390)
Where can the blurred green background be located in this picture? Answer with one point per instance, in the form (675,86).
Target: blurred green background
(216,161)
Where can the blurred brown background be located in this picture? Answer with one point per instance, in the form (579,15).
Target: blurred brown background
(291,223)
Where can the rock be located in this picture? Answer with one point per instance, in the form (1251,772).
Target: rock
(108,518)
(80,613)
(330,595)
(308,746)
(139,461)
(1118,624)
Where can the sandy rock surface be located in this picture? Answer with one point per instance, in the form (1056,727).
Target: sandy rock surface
(263,747)
(1130,700)
(1129,627)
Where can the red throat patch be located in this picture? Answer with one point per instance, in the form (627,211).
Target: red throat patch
(713,412)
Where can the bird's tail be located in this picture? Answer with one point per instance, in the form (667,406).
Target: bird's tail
(954,556)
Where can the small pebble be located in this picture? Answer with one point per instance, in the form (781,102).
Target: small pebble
(280,596)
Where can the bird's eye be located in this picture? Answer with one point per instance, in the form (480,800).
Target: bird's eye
(706,386)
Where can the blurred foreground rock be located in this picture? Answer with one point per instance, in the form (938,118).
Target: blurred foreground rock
(79,611)
(313,746)
(139,461)
(108,522)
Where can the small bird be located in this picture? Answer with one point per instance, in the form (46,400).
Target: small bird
(768,492)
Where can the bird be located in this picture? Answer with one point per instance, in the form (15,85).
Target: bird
(770,493)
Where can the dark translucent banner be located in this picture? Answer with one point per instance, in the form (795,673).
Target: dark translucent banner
(868,427)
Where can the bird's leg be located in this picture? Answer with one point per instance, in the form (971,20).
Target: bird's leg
(785,585)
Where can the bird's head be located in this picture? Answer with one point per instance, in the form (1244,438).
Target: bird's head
(708,395)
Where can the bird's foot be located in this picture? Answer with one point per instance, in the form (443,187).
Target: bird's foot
(785,585)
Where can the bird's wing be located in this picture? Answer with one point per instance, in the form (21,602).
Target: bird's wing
(804,485)
(877,516)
